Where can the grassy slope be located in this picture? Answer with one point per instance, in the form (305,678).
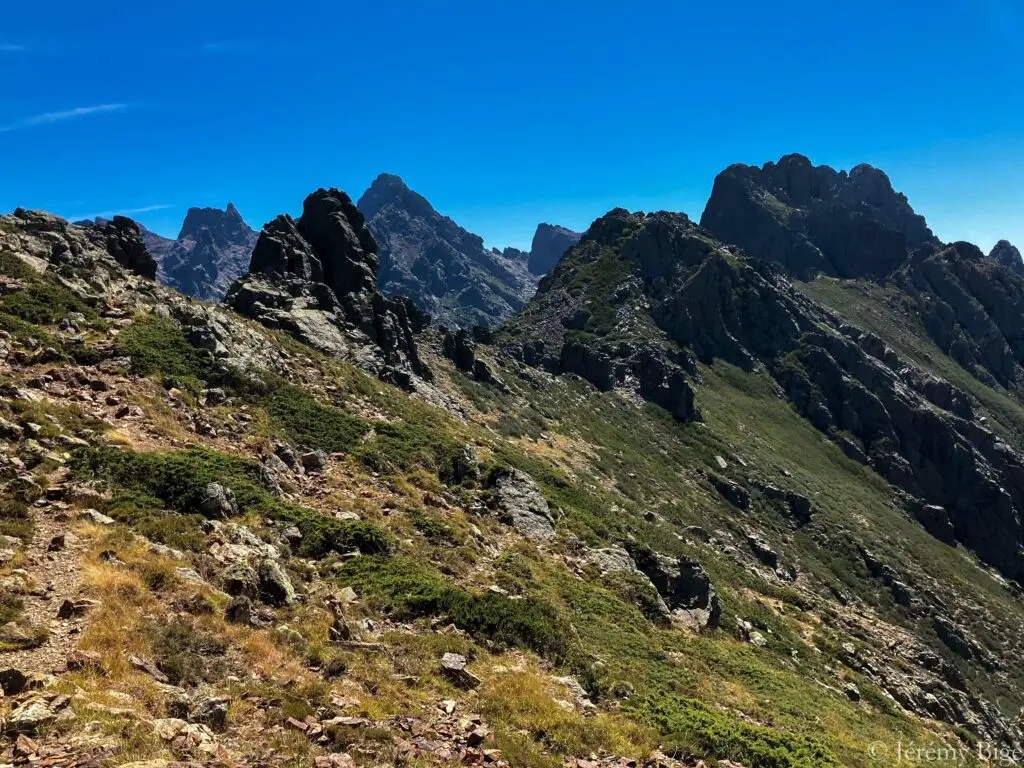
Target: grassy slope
(643,461)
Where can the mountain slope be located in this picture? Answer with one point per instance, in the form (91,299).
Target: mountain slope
(261,553)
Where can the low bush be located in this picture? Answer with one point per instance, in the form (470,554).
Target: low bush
(15,519)
(42,302)
(179,479)
(403,586)
(161,347)
(697,729)
(302,419)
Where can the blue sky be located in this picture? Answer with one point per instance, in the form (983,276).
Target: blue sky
(505,114)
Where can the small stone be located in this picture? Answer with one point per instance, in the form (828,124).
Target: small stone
(212,712)
(97,517)
(79,660)
(30,718)
(453,667)
(314,461)
(71,608)
(149,668)
(62,541)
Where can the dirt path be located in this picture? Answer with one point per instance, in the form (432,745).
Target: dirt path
(56,577)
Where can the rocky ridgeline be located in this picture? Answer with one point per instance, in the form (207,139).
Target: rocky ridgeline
(446,271)
(972,306)
(550,242)
(50,240)
(680,296)
(815,220)
(213,249)
(316,278)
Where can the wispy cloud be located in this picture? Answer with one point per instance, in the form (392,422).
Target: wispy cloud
(47,118)
(121,212)
(12,48)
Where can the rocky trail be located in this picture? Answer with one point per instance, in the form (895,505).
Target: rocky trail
(49,581)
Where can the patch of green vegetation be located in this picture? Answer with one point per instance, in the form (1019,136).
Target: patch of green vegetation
(302,419)
(11,607)
(14,267)
(434,529)
(179,480)
(44,303)
(161,347)
(694,728)
(396,447)
(148,517)
(404,586)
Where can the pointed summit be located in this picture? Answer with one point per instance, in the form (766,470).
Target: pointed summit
(445,270)
(212,249)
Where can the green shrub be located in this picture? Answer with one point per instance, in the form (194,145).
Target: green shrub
(42,302)
(434,530)
(178,480)
(10,608)
(697,729)
(403,586)
(148,517)
(12,266)
(160,347)
(303,419)
(401,446)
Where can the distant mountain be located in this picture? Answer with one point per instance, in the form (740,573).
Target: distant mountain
(444,269)
(550,243)
(212,250)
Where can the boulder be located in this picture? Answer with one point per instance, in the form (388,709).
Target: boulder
(518,502)
(218,502)
(316,278)
(212,712)
(275,587)
(684,585)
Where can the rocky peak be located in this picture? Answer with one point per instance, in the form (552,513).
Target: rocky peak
(390,189)
(644,297)
(1007,254)
(550,242)
(316,278)
(212,249)
(446,270)
(814,219)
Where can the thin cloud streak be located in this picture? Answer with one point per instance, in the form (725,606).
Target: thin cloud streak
(12,48)
(48,118)
(121,212)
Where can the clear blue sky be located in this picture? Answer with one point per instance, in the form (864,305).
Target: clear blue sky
(505,114)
